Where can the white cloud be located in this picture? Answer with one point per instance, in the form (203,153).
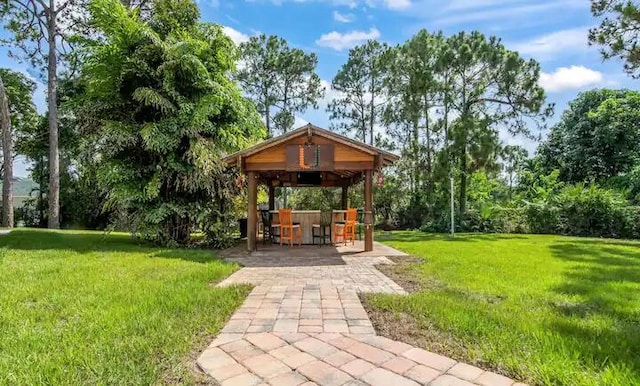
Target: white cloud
(339,41)
(329,94)
(570,78)
(390,4)
(464,5)
(299,122)
(235,35)
(343,18)
(398,4)
(547,46)
(466,12)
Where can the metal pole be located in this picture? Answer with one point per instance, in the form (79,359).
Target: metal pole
(452,208)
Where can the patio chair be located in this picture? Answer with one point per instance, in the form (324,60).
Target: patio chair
(268,226)
(321,228)
(345,230)
(288,228)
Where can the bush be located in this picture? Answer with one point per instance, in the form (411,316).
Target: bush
(28,214)
(219,235)
(541,217)
(579,210)
(513,220)
(220,229)
(631,216)
(591,211)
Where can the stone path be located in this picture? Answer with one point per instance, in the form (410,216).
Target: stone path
(356,273)
(306,326)
(309,309)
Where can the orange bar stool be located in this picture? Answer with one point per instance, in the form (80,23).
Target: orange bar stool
(345,231)
(288,228)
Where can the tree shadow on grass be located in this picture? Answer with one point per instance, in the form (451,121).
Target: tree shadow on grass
(90,242)
(417,236)
(605,323)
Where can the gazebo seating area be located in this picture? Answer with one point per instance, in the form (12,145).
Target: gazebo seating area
(310,157)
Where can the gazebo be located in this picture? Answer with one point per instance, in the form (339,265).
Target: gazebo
(309,157)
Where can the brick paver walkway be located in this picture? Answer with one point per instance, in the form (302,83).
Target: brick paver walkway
(306,326)
(356,273)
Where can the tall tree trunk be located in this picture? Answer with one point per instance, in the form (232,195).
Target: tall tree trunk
(7,150)
(429,175)
(267,120)
(372,118)
(41,203)
(462,195)
(54,155)
(416,154)
(510,185)
(446,128)
(427,130)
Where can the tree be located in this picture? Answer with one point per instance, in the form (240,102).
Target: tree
(259,71)
(34,145)
(161,100)
(19,89)
(413,88)
(597,137)
(299,87)
(618,32)
(490,87)
(276,76)
(17,114)
(513,157)
(7,148)
(38,32)
(359,84)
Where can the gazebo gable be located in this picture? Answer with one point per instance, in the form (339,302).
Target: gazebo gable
(344,157)
(334,152)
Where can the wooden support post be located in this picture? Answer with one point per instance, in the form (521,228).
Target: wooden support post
(272,198)
(368,210)
(252,211)
(344,199)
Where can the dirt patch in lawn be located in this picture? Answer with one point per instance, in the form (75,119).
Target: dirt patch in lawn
(402,272)
(406,328)
(418,331)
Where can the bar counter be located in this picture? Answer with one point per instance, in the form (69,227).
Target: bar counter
(307,218)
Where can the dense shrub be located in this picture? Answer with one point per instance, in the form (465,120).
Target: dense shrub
(513,220)
(590,211)
(541,217)
(580,210)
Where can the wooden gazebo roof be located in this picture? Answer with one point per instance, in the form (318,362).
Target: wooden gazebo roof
(310,156)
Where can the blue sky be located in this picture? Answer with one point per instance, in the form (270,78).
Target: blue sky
(554,32)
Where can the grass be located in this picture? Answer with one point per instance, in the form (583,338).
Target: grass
(88,308)
(544,309)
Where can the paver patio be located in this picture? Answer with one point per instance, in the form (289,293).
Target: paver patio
(305,325)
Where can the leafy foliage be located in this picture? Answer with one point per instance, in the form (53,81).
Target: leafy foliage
(277,76)
(443,101)
(597,137)
(359,84)
(20,89)
(618,32)
(165,110)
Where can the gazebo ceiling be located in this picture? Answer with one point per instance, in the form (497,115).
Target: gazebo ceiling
(310,156)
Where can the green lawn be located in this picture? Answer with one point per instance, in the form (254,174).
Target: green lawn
(89,308)
(545,309)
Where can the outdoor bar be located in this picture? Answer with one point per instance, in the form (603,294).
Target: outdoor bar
(309,157)
(306,219)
